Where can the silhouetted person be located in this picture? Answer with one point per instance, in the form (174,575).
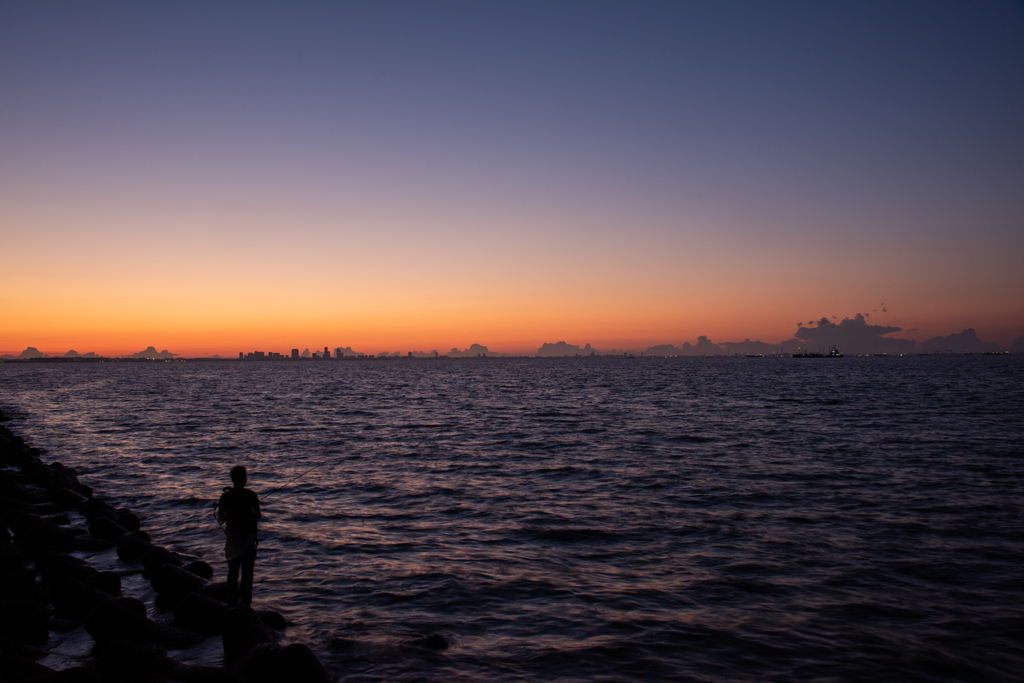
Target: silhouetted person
(239,510)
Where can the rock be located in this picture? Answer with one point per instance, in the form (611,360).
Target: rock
(17,668)
(110,622)
(199,613)
(133,605)
(45,508)
(11,560)
(95,508)
(157,556)
(218,591)
(143,535)
(60,519)
(256,665)
(131,547)
(128,662)
(24,620)
(20,586)
(55,566)
(242,630)
(5,535)
(274,620)
(171,582)
(107,529)
(76,674)
(298,663)
(108,582)
(200,569)
(84,490)
(76,597)
(69,499)
(37,533)
(13,647)
(129,521)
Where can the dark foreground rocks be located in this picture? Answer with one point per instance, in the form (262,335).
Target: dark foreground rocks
(39,536)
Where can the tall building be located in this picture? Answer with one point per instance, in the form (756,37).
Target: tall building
(240,356)
(327,354)
(295,354)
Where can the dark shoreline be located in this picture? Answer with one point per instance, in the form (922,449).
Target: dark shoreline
(46,587)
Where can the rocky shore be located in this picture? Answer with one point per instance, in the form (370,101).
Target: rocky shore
(52,527)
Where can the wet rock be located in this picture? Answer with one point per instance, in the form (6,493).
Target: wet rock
(17,668)
(157,556)
(200,569)
(76,674)
(59,519)
(5,535)
(107,529)
(199,613)
(129,521)
(55,566)
(242,631)
(298,663)
(256,665)
(45,508)
(69,499)
(20,586)
(11,560)
(13,647)
(76,597)
(274,620)
(172,582)
(94,508)
(131,547)
(133,605)
(108,582)
(27,620)
(84,490)
(128,662)
(42,535)
(110,622)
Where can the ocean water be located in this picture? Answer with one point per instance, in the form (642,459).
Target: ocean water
(591,519)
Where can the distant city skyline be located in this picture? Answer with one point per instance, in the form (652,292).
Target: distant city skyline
(854,336)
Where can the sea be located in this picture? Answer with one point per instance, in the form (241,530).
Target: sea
(578,519)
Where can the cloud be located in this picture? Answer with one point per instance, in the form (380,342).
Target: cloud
(963,342)
(32,352)
(854,336)
(562,348)
(75,354)
(473,350)
(347,351)
(152,354)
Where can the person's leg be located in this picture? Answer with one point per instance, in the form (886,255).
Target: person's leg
(233,580)
(248,559)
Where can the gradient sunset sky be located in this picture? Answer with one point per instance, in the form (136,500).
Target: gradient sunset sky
(216,177)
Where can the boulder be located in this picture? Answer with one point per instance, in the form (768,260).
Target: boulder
(133,605)
(108,582)
(13,647)
(297,662)
(11,560)
(24,619)
(157,556)
(20,586)
(129,521)
(172,582)
(242,631)
(107,529)
(200,569)
(95,508)
(69,499)
(274,620)
(77,598)
(111,621)
(54,566)
(128,662)
(199,613)
(256,665)
(131,547)
(17,668)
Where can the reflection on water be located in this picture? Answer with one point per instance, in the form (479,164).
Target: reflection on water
(653,519)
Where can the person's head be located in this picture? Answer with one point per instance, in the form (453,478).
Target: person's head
(238,475)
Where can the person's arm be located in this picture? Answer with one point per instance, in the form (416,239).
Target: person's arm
(220,511)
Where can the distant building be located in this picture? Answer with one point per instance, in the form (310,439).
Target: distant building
(327,354)
(295,354)
(240,356)
(338,353)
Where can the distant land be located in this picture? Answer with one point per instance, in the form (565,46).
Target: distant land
(853,336)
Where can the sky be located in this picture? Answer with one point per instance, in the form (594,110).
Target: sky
(217,177)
